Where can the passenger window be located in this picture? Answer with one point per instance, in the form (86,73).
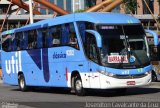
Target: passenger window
(91,48)
(44,37)
(39,38)
(30,40)
(25,40)
(50,37)
(56,39)
(22,41)
(5,44)
(18,37)
(14,47)
(10,44)
(55,36)
(65,34)
(69,35)
(17,41)
(73,41)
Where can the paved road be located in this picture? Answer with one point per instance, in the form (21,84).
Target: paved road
(11,96)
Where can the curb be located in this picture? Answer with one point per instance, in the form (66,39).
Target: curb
(1,81)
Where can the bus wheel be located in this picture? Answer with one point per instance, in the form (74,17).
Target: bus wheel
(22,83)
(78,87)
(121,91)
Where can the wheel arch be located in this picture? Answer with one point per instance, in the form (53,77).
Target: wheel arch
(73,75)
(20,73)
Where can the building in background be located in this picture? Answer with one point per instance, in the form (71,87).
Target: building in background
(18,19)
(3,6)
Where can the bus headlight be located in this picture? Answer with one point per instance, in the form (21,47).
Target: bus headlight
(147,73)
(106,73)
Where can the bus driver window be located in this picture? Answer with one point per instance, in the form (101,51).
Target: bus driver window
(73,40)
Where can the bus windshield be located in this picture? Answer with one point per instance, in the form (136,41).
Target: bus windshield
(123,46)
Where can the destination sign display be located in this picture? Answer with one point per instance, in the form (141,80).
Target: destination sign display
(117,59)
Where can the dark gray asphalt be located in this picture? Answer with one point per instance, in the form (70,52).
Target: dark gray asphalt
(61,98)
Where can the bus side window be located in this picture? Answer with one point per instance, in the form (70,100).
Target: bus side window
(10,43)
(30,33)
(18,37)
(82,26)
(35,39)
(50,36)
(16,42)
(39,38)
(65,34)
(22,41)
(56,39)
(25,40)
(44,37)
(73,41)
(32,39)
(56,36)
(5,44)
(91,47)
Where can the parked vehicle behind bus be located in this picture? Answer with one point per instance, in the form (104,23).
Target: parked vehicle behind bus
(108,51)
(154,46)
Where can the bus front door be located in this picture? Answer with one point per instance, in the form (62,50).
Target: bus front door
(92,54)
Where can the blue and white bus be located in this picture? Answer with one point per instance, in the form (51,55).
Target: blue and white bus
(78,51)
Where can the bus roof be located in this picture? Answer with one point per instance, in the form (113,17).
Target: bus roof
(8,32)
(94,17)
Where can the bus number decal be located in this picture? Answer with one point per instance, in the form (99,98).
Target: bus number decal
(126,72)
(70,52)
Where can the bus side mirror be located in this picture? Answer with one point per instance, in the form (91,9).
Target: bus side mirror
(155,36)
(97,36)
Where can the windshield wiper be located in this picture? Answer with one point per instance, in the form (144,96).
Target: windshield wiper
(127,45)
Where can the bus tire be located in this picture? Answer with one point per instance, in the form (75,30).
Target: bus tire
(22,83)
(78,86)
(121,91)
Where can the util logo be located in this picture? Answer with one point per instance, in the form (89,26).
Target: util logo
(14,65)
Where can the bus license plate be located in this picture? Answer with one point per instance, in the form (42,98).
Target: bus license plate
(131,82)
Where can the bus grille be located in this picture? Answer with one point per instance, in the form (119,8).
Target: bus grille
(129,76)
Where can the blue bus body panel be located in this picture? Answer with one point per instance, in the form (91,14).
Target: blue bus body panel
(34,66)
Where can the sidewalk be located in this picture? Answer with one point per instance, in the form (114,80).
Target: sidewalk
(155,85)
(1,81)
